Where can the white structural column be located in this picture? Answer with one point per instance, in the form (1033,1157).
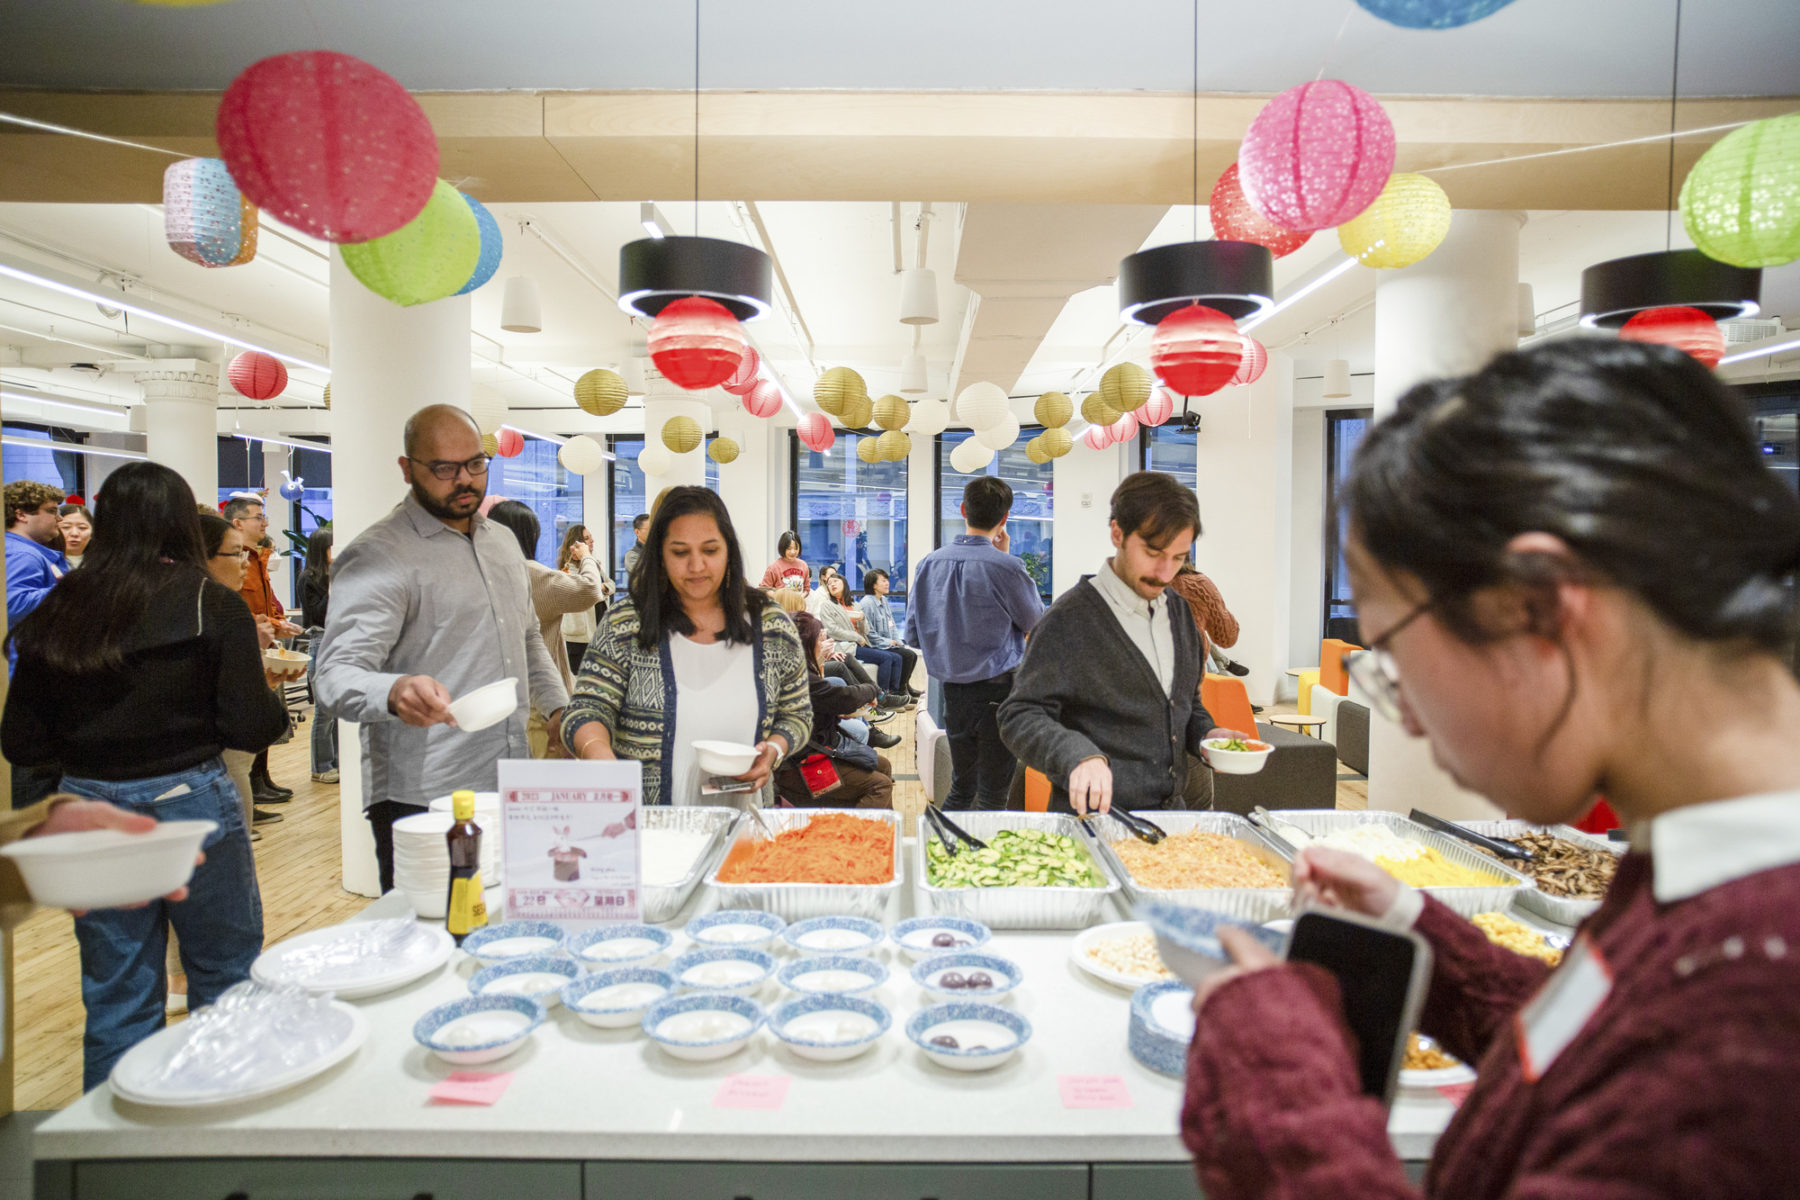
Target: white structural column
(688,469)
(748,486)
(387,362)
(1448,315)
(181,401)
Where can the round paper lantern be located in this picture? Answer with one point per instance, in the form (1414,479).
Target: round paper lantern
(581,455)
(744,378)
(696,343)
(722,450)
(328,144)
(1253,364)
(1034,451)
(816,432)
(1407,222)
(490,445)
(837,386)
(1125,428)
(1053,410)
(1098,437)
(1096,411)
(1686,329)
(1157,409)
(763,400)
(206,219)
(426,259)
(508,442)
(653,459)
(1316,155)
(1432,14)
(1195,350)
(491,245)
(601,392)
(894,445)
(682,434)
(1741,202)
(891,412)
(1056,442)
(982,405)
(971,456)
(1233,220)
(859,412)
(929,418)
(257,375)
(1001,434)
(1124,387)
(489,411)
(868,449)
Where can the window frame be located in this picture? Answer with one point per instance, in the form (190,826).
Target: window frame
(1334,418)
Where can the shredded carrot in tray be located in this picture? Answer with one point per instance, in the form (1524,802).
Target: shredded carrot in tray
(831,848)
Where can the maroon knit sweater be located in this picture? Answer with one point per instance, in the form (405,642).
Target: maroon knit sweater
(1684,1084)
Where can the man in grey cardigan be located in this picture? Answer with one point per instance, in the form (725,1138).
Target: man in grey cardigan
(1107,701)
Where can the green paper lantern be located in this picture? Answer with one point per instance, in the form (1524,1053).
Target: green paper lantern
(1741,202)
(428,258)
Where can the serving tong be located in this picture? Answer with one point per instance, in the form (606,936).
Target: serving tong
(949,832)
(1493,845)
(1270,826)
(1141,828)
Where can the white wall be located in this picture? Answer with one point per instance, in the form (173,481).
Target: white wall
(749,488)
(1085,479)
(1307,538)
(921,499)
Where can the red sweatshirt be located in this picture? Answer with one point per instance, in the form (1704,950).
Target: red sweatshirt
(1684,1083)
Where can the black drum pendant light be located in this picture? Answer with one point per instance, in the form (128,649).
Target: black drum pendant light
(1613,292)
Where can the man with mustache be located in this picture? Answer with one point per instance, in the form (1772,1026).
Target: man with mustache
(429,603)
(1107,701)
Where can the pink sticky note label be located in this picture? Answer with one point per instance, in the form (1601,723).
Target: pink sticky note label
(1456,1093)
(1094,1091)
(752,1091)
(471,1087)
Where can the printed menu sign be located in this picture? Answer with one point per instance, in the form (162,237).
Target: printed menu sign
(570,836)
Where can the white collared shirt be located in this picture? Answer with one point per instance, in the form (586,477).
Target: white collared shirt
(1697,848)
(1145,622)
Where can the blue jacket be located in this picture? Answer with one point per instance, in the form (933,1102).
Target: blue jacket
(32,570)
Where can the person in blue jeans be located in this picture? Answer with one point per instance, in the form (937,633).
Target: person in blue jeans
(315,601)
(135,673)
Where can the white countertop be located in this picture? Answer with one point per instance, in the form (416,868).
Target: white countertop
(586,1093)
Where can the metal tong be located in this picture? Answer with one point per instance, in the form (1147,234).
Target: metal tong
(1493,845)
(1266,823)
(756,815)
(949,832)
(1142,828)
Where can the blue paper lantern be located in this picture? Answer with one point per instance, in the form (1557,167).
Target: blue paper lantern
(206,219)
(292,488)
(491,246)
(1432,14)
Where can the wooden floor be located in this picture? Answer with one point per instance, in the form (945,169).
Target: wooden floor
(302,888)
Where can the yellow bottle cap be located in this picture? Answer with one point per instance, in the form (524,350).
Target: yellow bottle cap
(462,805)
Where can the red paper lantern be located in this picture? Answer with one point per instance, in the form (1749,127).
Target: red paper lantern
(329,144)
(74,498)
(1157,409)
(763,400)
(1125,428)
(1098,437)
(696,343)
(1687,329)
(816,432)
(1196,350)
(1233,220)
(257,375)
(744,378)
(1255,362)
(509,442)
(1316,155)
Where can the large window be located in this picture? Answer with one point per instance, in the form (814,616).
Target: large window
(629,496)
(1169,449)
(849,513)
(1031,526)
(1344,429)
(58,468)
(535,478)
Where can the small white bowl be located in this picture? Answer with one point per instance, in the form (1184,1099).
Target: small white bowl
(829,1028)
(724,758)
(478,1029)
(285,663)
(509,941)
(988,1035)
(732,928)
(1237,762)
(542,978)
(702,1026)
(1003,974)
(748,970)
(487,705)
(832,975)
(834,935)
(914,936)
(104,868)
(595,1000)
(611,946)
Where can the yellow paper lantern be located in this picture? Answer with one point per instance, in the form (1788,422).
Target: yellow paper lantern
(1055,442)
(836,387)
(894,445)
(868,449)
(1123,388)
(859,412)
(490,445)
(1407,222)
(601,392)
(681,434)
(1053,410)
(328,395)
(1096,411)
(722,450)
(1034,450)
(891,412)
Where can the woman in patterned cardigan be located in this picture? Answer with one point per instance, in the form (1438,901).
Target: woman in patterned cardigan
(693,653)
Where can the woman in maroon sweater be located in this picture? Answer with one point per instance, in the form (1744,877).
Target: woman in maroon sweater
(1578,573)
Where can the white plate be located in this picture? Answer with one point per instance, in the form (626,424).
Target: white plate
(383,974)
(155,1049)
(1089,938)
(1444,1077)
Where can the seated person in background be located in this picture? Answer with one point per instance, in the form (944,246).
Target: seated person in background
(867,779)
(788,570)
(879,627)
(842,620)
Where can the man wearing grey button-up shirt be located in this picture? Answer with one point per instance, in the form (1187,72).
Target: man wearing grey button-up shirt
(429,603)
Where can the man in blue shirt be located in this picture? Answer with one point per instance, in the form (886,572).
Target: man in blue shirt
(971,607)
(32,569)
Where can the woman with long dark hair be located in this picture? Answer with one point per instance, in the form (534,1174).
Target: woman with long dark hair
(576,558)
(315,603)
(134,673)
(843,620)
(554,594)
(692,653)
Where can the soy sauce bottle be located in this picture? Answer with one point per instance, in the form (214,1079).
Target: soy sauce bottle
(466,910)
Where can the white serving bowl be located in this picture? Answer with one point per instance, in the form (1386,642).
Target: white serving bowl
(735,928)
(104,868)
(834,935)
(989,1035)
(542,978)
(741,972)
(829,1028)
(1004,976)
(508,941)
(724,758)
(610,946)
(486,706)
(285,663)
(478,1029)
(616,999)
(702,1026)
(1237,762)
(914,936)
(832,975)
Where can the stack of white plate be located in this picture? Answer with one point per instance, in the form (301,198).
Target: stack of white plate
(422,861)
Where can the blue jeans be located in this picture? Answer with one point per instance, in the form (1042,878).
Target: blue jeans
(852,727)
(124,980)
(324,728)
(887,668)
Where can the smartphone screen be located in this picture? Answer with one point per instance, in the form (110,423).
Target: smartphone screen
(1382,977)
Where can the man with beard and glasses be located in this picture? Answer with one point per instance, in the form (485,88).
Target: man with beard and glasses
(429,603)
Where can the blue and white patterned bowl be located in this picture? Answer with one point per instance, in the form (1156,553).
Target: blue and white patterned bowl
(804,1025)
(491,981)
(763,961)
(699,1044)
(968,1022)
(1004,972)
(478,1029)
(719,928)
(611,946)
(913,936)
(1153,1042)
(812,976)
(1188,938)
(579,996)
(834,935)
(513,939)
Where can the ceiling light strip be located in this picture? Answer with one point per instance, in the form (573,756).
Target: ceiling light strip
(85,406)
(1792,343)
(73,448)
(279,441)
(1294,298)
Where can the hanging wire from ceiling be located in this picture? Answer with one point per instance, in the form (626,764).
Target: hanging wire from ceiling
(696,118)
(1674,96)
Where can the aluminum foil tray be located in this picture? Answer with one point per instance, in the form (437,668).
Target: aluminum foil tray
(1246,904)
(662,903)
(797,901)
(1016,907)
(1466,901)
(1533,899)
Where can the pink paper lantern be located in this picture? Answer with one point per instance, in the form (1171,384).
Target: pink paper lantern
(744,378)
(816,432)
(1686,329)
(328,144)
(510,442)
(1233,220)
(1125,428)
(763,400)
(1316,155)
(257,376)
(696,343)
(1196,350)
(1157,409)
(1098,437)
(1255,362)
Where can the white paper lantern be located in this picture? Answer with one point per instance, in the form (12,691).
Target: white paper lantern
(982,405)
(971,456)
(653,459)
(1000,435)
(929,418)
(582,455)
(488,410)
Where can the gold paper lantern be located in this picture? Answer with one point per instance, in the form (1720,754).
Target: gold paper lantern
(868,449)
(1055,442)
(681,434)
(894,445)
(1034,450)
(490,445)
(836,387)
(859,412)
(601,392)
(328,395)
(1053,410)
(1407,222)
(891,412)
(1096,411)
(722,450)
(1123,388)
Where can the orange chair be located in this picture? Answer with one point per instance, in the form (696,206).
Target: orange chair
(1229,703)
(1332,676)
(1037,791)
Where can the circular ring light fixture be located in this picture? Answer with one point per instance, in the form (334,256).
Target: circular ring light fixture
(655,272)
(1615,291)
(1236,278)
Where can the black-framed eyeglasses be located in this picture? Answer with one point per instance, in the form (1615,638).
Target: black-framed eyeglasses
(1373,670)
(476,467)
(234,554)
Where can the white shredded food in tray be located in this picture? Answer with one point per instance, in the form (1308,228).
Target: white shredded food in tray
(1131,954)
